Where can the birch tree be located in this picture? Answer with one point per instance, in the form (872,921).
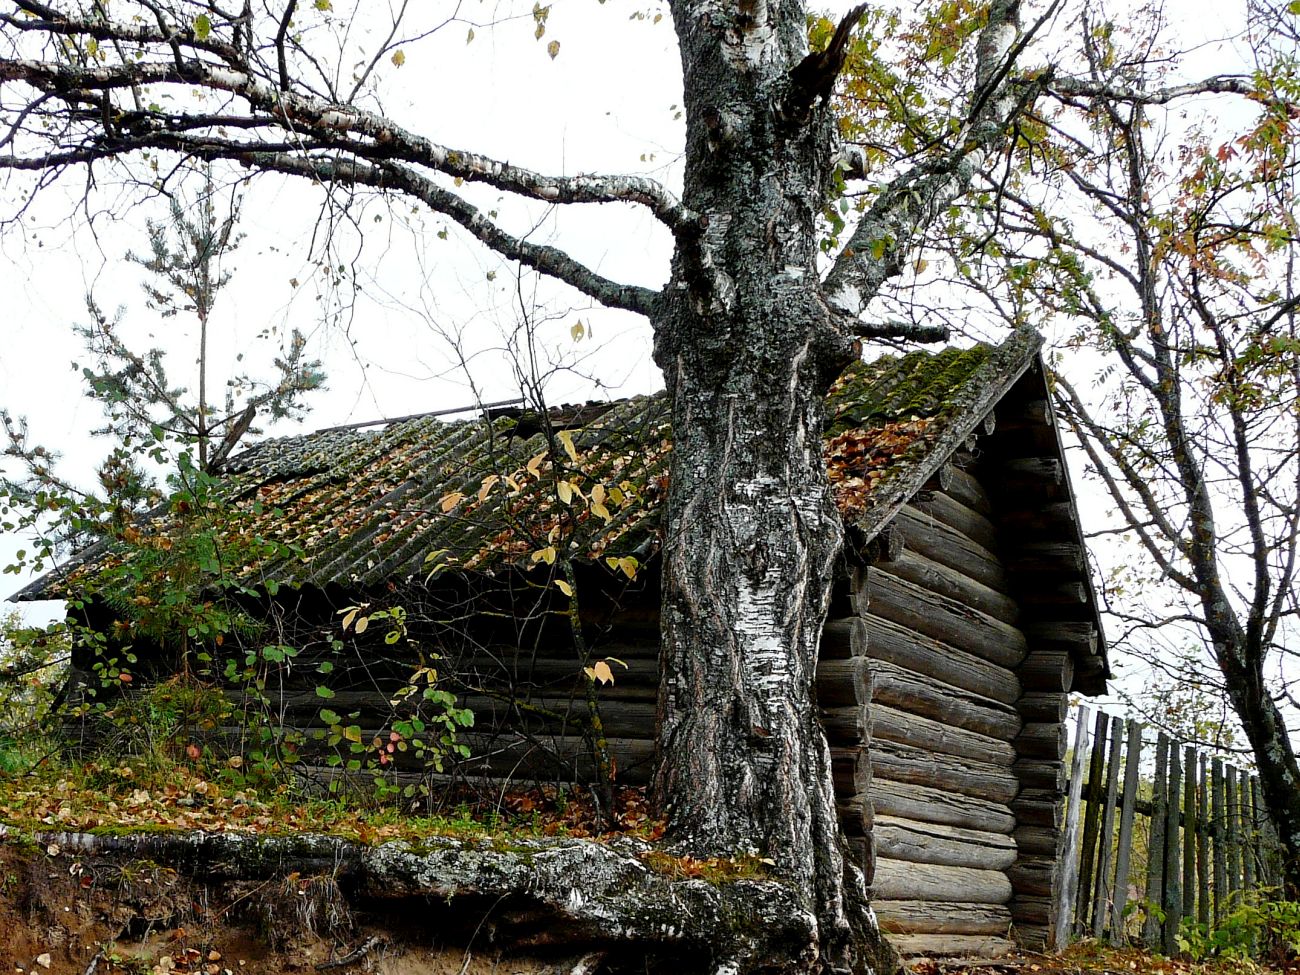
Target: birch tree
(753,322)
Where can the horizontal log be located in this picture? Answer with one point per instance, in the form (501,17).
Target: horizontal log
(1033,877)
(906,690)
(1047,559)
(1027,414)
(513,664)
(918,766)
(1038,807)
(930,917)
(843,638)
(886,546)
(1042,739)
(954,585)
(936,541)
(855,816)
(1077,638)
(940,618)
(847,725)
(851,772)
(1040,476)
(1037,773)
(891,724)
(968,490)
(930,658)
(1042,841)
(844,683)
(1039,591)
(1046,670)
(951,945)
(906,801)
(1043,705)
(902,880)
(948,510)
(1047,522)
(937,843)
(1031,910)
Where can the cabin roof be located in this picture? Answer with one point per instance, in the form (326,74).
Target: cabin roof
(424,495)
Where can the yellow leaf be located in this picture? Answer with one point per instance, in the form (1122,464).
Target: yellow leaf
(451,500)
(578,330)
(347,620)
(398,58)
(565,490)
(600,511)
(603,673)
(546,555)
(564,587)
(352,733)
(486,487)
(535,465)
(362,624)
(598,493)
(470,36)
(514,485)
(553,49)
(591,673)
(616,495)
(566,437)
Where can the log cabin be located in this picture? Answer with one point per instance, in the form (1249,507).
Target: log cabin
(521,548)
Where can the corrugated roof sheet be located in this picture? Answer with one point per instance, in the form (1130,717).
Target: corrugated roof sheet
(478,495)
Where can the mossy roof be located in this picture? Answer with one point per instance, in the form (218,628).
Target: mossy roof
(421,496)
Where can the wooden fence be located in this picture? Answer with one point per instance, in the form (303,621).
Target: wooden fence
(1147,846)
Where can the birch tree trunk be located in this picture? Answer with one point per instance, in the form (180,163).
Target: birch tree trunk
(748,348)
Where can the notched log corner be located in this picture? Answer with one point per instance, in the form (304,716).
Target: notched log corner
(568,902)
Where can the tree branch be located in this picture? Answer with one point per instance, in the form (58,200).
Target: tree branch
(887,232)
(365,133)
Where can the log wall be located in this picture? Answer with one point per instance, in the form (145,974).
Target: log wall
(932,627)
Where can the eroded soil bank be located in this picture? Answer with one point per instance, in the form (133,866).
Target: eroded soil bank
(233,904)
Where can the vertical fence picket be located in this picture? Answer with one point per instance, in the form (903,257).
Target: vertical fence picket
(1249,838)
(1102,888)
(1189,832)
(1124,851)
(1068,888)
(1172,901)
(1151,927)
(1219,833)
(1091,817)
(1269,867)
(1202,843)
(1232,808)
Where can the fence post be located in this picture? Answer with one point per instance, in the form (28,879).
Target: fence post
(1220,854)
(1249,837)
(1172,902)
(1189,832)
(1151,927)
(1234,840)
(1132,769)
(1102,889)
(1202,844)
(1092,808)
(1068,888)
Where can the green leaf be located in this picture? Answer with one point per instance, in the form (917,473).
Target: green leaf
(323,691)
(329,717)
(202,27)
